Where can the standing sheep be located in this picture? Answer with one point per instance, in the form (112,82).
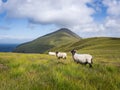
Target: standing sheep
(52,53)
(82,58)
(61,55)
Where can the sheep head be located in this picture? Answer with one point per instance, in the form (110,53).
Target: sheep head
(73,52)
(57,52)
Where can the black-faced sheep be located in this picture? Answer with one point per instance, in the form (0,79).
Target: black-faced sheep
(61,55)
(82,58)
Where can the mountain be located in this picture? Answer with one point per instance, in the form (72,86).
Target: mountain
(49,41)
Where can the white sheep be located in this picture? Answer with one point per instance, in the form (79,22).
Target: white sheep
(52,53)
(61,55)
(82,58)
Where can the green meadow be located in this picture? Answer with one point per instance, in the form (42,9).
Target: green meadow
(20,71)
(43,72)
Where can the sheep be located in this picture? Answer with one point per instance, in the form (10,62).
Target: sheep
(82,58)
(52,53)
(61,55)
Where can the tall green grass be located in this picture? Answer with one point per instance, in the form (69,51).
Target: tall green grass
(43,72)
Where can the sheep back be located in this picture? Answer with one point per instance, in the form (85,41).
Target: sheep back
(61,55)
(82,58)
(52,53)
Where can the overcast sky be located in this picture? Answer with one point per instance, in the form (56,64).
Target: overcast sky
(25,20)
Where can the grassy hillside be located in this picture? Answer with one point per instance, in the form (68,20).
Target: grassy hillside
(44,43)
(93,45)
(43,72)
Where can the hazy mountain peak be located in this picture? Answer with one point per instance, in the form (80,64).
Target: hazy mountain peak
(68,31)
(64,29)
(49,41)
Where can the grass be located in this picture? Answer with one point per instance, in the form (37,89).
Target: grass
(43,72)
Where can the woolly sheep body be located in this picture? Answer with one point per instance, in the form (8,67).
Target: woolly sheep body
(82,58)
(52,53)
(61,55)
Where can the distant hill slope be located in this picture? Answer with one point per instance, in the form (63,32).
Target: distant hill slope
(46,42)
(93,45)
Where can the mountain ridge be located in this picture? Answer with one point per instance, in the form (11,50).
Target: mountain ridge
(94,44)
(48,41)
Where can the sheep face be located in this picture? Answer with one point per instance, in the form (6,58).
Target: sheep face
(56,52)
(73,52)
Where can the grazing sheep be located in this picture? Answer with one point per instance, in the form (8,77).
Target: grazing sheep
(61,55)
(52,53)
(82,58)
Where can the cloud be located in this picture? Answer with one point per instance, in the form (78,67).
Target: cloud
(4,28)
(73,14)
(0,2)
(112,21)
(0,6)
(62,12)
(113,7)
(12,39)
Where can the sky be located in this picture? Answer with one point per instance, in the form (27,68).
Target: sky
(25,20)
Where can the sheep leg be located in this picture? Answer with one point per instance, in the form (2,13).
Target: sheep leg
(85,63)
(92,61)
(90,65)
(77,62)
(58,57)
